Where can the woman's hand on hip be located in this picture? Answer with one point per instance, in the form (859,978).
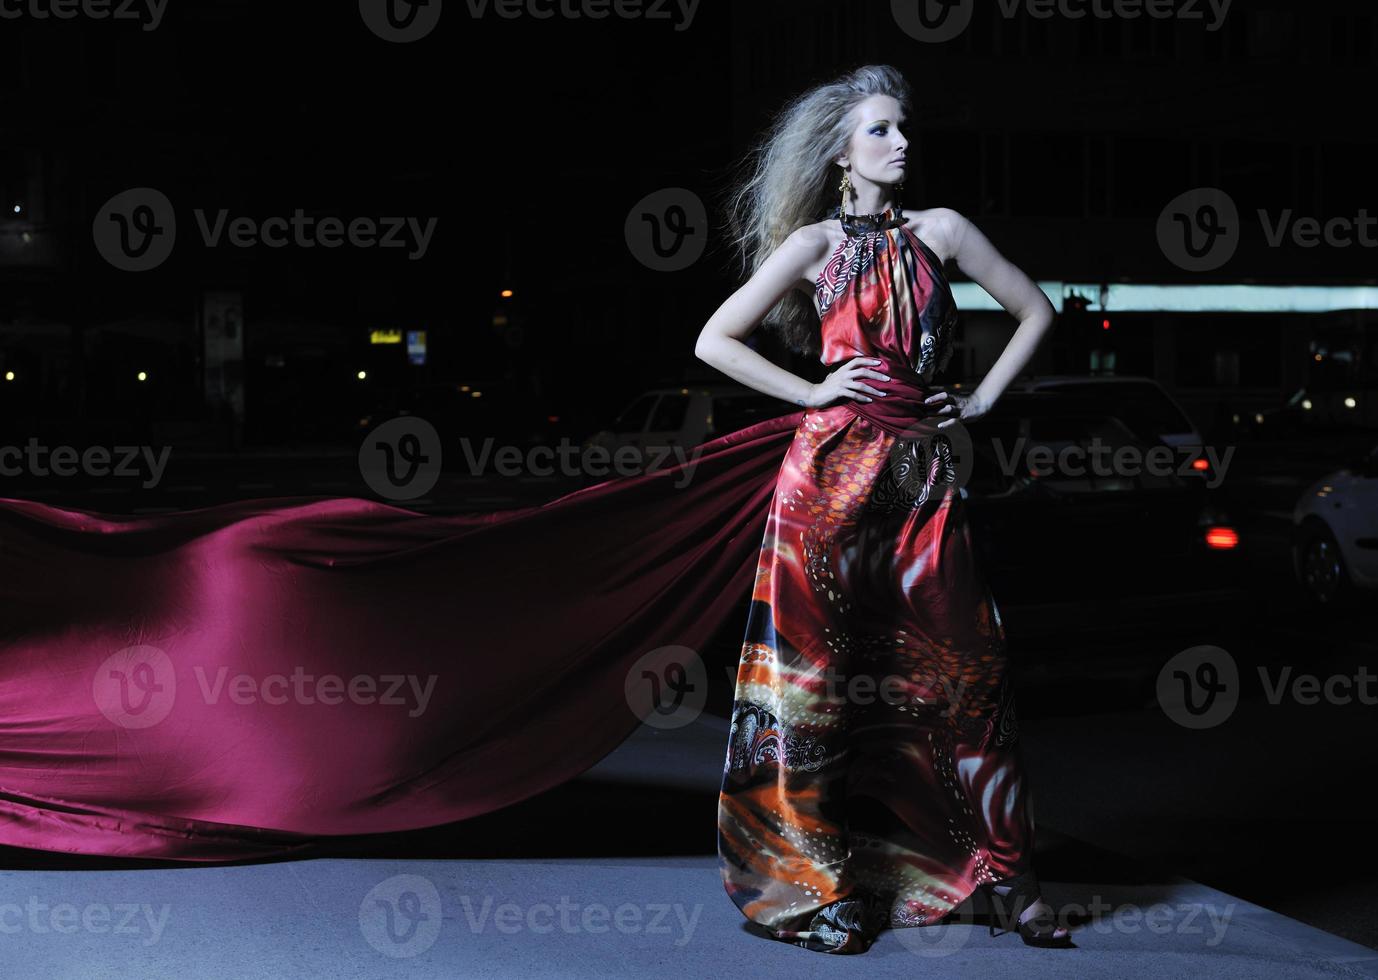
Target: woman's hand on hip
(958,407)
(846,382)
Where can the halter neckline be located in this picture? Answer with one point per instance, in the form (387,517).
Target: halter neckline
(863,224)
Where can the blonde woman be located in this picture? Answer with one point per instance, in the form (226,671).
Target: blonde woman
(873,775)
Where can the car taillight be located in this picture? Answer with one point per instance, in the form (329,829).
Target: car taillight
(1222,538)
(1200,464)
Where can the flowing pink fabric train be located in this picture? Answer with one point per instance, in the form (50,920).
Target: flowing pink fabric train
(148,706)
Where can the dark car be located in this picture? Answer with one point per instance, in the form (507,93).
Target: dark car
(1109,553)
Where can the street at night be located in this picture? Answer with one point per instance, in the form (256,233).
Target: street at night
(567,488)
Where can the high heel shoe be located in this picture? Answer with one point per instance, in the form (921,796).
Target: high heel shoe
(1036,930)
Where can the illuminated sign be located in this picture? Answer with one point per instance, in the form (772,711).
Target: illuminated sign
(416,346)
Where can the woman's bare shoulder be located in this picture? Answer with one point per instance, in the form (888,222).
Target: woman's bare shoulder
(935,227)
(816,242)
(819,237)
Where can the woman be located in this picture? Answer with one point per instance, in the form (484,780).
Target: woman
(873,774)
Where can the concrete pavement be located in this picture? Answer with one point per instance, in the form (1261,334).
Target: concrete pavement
(655,914)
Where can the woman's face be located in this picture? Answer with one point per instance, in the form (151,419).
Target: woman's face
(878,149)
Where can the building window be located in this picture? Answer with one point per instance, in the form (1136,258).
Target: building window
(1148,172)
(1049,175)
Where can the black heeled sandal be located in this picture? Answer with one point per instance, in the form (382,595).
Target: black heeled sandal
(1005,910)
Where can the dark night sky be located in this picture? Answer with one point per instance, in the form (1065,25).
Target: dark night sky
(530,139)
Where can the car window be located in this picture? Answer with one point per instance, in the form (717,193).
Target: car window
(633,417)
(1081,434)
(669,414)
(1142,405)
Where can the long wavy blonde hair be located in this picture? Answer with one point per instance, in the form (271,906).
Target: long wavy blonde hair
(788,179)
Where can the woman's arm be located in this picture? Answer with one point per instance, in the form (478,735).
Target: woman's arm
(1012,289)
(720,342)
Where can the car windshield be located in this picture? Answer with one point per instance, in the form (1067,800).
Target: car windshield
(1081,453)
(669,414)
(633,417)
(1142,405)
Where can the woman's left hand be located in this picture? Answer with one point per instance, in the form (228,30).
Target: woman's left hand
(960,407)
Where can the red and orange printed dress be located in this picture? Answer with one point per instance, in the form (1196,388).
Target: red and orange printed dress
(873,775)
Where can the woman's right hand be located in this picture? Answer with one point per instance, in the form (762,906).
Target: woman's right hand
(845,382)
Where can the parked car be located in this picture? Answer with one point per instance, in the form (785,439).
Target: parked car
(1139,402)
(1335,534)
(1086,553)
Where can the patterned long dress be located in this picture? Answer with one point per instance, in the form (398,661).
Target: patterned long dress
(873,776)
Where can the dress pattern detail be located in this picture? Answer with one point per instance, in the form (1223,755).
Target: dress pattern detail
(873,776)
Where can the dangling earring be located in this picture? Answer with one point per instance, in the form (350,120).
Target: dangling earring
(845,187)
